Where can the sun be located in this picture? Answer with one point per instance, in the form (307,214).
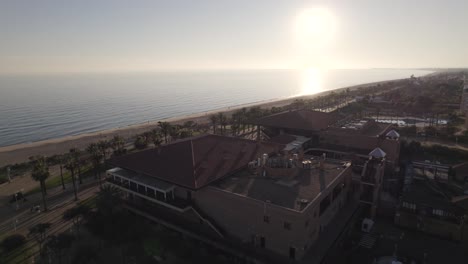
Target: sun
(314,26)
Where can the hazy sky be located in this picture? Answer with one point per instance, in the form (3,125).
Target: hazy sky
(114,35)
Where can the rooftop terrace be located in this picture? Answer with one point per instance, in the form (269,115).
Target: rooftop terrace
(293,188)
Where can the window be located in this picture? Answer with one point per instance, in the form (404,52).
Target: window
(292,253)
(438,212)
(307,223)
(266,219)
(410,206)
(262,242)
(287,225)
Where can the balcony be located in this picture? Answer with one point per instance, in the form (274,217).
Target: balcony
(166,199)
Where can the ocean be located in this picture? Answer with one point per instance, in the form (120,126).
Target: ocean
(40,107)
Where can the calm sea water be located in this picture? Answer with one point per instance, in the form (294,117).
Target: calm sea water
(34,108)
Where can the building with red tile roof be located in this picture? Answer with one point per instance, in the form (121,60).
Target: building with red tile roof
(195,162)
(244,191)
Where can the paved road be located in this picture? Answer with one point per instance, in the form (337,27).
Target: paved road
(59,202)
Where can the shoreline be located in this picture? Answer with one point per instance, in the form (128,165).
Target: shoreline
(18,153)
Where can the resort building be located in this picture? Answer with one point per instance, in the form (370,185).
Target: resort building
(341,138)
(332,132)
(269,197)
(432,207)
(464,100)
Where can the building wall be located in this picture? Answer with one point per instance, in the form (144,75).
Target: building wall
(243,218)
(430,225)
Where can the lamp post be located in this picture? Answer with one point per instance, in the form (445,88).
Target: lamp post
(16,201)
(8,174)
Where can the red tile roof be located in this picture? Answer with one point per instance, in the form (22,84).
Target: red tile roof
(299,119)
(195,162)
(282,139)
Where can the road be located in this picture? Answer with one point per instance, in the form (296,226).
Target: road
(59,201)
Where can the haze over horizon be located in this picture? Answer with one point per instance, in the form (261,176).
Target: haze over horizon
(105,36)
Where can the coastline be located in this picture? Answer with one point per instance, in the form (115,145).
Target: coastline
(21,152)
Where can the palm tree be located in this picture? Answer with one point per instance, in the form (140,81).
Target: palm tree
(96,157)
(118,145)
(141,142)
(165,128)
(76,214)
(174,132)
(243,118)
(108,200)
(71,165)
(61,171)
(39,232)
(214,122)
(155,138)
(40,173)
(222,119)
(103,145)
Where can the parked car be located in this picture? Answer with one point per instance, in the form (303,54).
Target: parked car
(18,197)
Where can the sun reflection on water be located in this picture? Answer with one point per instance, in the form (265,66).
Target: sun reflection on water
(311,81)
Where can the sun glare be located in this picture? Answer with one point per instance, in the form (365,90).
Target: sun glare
(314,26)
(311,81)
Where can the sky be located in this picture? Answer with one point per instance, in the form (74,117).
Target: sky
(114,35)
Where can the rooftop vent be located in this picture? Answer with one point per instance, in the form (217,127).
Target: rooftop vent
(392,134)
(378,153)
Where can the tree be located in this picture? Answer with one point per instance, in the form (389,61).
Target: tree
(165,129)
(39,233)
(117,144)
(190,124)
(175,131)
(71,165)
(185,133)
(222,120)
(40,173)
(76,214)
(61,172)
(103,145)
(109,200)
(56,244)
(141,142)
(96,157)
(85,253)
(214,122)
(13,241)
(156,138)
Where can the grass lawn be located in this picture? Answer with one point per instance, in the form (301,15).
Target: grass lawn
(18,255)
(86,171)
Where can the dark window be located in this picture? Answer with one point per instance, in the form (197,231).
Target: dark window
(266,219)
(306,223)
(324,204)
(287,225)
(292,253)
(337,191)
(262,242)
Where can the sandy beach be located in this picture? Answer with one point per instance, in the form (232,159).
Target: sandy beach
(21,152)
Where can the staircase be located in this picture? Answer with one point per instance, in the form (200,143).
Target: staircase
(368,241)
